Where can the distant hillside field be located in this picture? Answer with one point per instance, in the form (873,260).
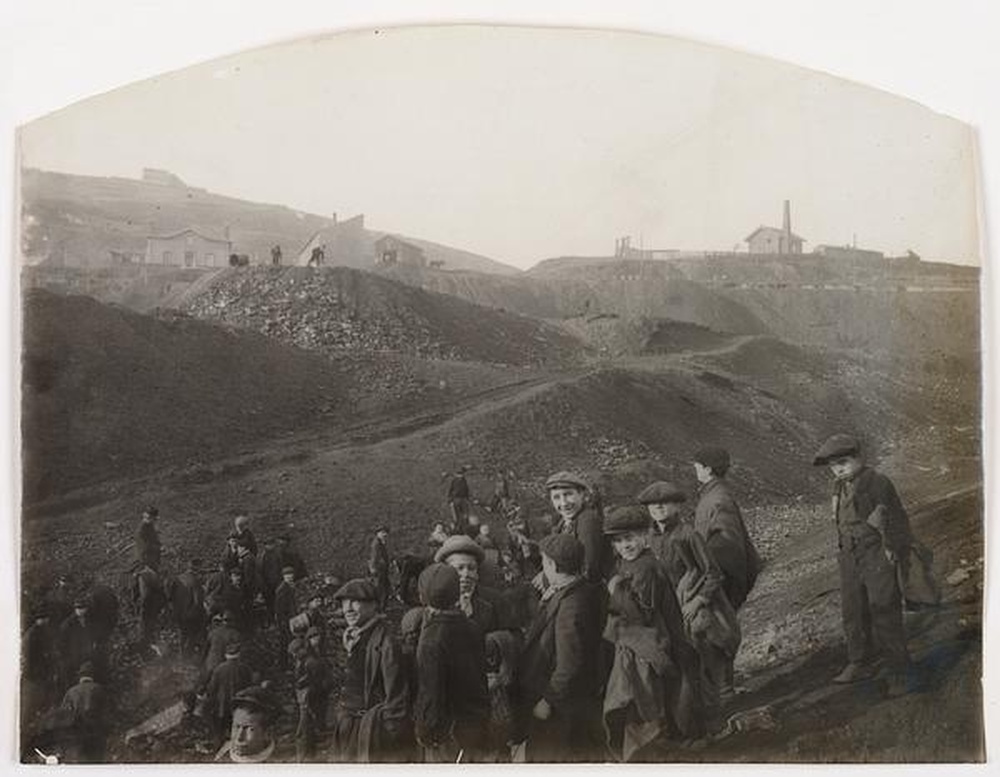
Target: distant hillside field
(77,220)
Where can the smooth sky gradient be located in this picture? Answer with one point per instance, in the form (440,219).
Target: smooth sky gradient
(522,144)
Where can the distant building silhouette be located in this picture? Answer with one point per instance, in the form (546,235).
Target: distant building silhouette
(771,240)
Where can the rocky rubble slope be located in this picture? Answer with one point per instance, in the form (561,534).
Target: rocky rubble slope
(339,309)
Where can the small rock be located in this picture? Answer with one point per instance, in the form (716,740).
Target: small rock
(958,576)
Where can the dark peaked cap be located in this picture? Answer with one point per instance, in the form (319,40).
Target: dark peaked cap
(836,446)
(628,518)
(714,457)
(256,698)
(660,492)
(359,590)
(565,550)
(439,586)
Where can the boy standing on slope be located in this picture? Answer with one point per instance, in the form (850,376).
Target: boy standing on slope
(873,535)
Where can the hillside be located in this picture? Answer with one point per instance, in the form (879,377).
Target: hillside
(204,421)
(914,309)
(108,393)
(76,221)
(610,291)
(338,308)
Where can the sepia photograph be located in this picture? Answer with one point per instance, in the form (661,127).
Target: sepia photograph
(499,394)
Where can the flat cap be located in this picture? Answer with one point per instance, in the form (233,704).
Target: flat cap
(714,457)
(628,518)
(836,446)
(233,649)
(438,586)
(566,479)
(359,590)
(86,669)
(287,570)
(565,550)
(256,698)
(661,492)
(460,543)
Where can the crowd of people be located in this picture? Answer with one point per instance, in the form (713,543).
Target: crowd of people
(596,635)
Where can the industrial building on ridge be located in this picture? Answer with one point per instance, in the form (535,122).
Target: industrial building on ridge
(188,248)
(391,250)
(771,240)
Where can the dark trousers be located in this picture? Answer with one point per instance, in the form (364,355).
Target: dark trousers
(459,515)
(871,605)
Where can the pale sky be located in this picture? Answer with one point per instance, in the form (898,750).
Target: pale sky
(522,144)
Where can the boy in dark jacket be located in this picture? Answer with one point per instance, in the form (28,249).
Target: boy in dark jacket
(710,621)
(873,536)
(718,520)
(557,701)
(653,694)
(452,707)
(371,720)
(570,497)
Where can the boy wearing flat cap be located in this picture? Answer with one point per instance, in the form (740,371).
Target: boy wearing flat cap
(874,534)
(371,719)
(718,520)
(557,695)
(452,708)
(251,740)
(569,493)
(653,693)
(709,618)
(466,557)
